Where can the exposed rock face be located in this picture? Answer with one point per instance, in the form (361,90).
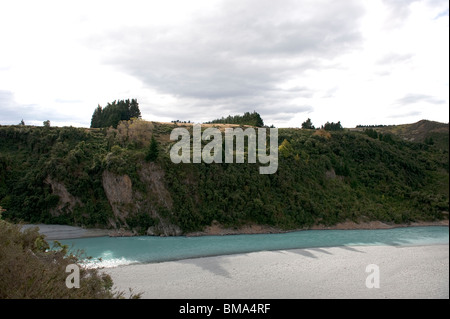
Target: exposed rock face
(67,201)
(164,229)
(331,174)
(126,201)
(153,176)
(118,189)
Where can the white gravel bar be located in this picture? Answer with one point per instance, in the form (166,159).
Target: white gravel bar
(335,272)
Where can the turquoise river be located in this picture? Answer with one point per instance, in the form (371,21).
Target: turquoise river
(116,251)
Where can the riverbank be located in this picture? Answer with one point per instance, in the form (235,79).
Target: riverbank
(333,272)
(55,232)
(216,229)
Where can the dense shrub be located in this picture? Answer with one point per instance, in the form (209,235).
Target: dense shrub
(30,269)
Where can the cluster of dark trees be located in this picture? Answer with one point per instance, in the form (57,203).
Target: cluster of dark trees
(308,124)
(248,118)
(178,121)
(332,126)
(380,125)
(429,140)
(378,135)
(113,113)
(327,126)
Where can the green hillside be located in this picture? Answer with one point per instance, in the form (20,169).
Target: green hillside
(102,178)
(429,132)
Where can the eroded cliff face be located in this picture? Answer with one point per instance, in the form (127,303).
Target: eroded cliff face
(126,201)
(67,201)
(119,191)
(151,199)
(152,175)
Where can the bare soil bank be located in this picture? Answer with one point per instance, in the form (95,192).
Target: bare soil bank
(217,229)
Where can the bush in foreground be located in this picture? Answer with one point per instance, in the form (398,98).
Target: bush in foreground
(29,269)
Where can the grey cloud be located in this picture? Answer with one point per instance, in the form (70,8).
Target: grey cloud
(287,109)
(243,52)
(300,91)
(330,93)
(394,58)
(399,6)
(399,11)
(279,117)
(387,63)
(412,105)
(407,114)
(416,98)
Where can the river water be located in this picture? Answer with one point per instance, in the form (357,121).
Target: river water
(116,251)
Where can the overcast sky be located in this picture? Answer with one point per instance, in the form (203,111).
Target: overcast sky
(358,62)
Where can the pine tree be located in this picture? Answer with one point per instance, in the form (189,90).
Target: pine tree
(307,124)
(152,153)
(134,109)
(96,121)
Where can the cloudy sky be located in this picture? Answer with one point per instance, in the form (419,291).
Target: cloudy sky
(358,62)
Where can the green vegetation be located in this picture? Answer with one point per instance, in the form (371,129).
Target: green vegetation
(386,137)
(152,153)
(73,157)
(102,178)
(428,132)
(319,180)
(332,126)
(252,119)
(113,113)
(30,269)
(308,125)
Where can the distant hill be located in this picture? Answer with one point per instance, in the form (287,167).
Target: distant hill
(424,131)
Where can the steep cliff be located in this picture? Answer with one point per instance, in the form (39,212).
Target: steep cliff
(129,204)
(67,202)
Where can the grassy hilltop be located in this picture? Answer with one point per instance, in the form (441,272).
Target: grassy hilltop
(101,177)
(428,132)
